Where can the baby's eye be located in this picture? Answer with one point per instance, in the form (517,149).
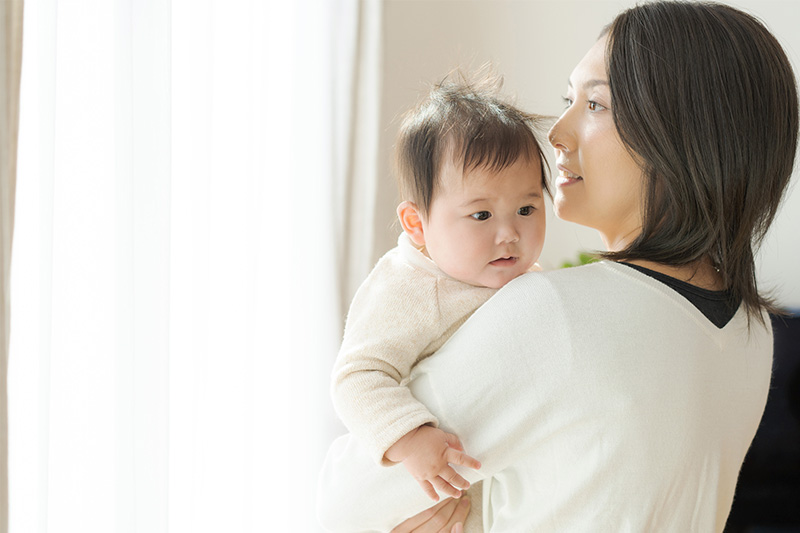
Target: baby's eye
(481,215)
(526,211)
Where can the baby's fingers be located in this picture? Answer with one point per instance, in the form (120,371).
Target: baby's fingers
(429,490)
(452,478)
(455,457)
(453,441)
(443,486)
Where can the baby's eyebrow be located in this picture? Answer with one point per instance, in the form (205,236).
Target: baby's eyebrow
(532,194)
(473,201)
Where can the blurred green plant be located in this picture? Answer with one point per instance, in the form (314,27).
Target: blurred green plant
(584,258)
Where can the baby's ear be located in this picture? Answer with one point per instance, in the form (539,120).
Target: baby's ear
(410,219)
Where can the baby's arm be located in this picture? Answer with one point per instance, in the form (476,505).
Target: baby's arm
(392,320)
(427,454)
(395,318)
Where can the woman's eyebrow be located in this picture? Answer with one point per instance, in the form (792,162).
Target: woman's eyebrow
(590,83)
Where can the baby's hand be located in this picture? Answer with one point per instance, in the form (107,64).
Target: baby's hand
(427,453)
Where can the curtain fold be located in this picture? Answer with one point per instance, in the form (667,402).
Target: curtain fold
(10,68)
(180,204)
(359,107)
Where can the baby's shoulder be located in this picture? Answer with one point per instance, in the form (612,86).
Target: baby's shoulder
(394,278)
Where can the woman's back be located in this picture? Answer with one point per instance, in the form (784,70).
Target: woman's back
(641,412)
(597,398)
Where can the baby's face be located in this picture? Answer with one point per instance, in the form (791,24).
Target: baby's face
(486,228)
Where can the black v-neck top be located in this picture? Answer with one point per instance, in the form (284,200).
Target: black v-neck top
(717,306)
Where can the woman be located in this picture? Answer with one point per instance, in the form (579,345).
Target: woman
(622,395)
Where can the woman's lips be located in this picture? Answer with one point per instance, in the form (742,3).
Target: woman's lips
(565,177)
(563,181)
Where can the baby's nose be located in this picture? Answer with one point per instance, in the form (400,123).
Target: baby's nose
(507,234)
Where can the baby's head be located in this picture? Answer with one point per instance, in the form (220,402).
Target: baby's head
(472,178)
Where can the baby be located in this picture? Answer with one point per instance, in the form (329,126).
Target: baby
(472,177)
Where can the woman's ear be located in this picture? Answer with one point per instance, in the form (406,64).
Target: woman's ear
(411,221)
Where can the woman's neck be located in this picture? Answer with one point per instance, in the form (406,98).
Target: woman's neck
(700,273)
(620,237)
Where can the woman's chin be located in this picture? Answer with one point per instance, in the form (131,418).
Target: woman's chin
(562,211)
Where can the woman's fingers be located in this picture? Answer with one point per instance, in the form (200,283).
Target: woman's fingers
(431,520)
(447,516)
(456,522)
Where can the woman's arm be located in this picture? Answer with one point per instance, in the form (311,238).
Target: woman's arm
(478,385)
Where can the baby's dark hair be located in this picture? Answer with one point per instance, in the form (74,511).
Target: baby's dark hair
(467,121)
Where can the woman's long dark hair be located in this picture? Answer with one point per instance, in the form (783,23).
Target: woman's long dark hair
(705,98)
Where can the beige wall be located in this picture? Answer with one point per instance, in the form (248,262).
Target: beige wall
(534,45)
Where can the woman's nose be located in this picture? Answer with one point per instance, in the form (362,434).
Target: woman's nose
(557,135)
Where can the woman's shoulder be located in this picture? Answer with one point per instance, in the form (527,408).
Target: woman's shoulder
(576,291)
(536,295)
(600,276)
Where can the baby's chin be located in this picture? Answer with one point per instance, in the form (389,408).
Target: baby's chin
(495,275)
(503,280)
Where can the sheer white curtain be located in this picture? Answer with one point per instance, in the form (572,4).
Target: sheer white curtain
(10,56)
(182,180)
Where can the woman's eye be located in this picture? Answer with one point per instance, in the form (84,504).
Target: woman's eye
(481,215)
(526,211)
(594,106)
(567,101)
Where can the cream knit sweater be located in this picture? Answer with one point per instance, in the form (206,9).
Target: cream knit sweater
(403,312)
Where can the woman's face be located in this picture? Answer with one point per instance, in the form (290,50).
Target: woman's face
(599,184)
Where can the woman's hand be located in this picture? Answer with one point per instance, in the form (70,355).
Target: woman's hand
(447,516)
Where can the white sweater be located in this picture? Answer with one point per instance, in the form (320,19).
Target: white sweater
(596,398)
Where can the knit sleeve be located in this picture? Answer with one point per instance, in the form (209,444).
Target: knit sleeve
(394,317)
